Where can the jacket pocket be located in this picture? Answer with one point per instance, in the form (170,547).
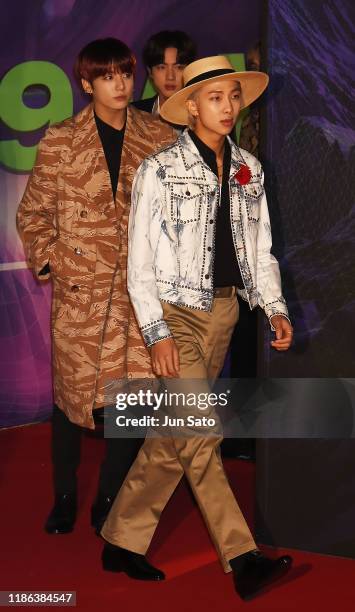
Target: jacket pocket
(185,202)
(253,192)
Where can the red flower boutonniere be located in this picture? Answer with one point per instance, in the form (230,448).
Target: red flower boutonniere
(243,175)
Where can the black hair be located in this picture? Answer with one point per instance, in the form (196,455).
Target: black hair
(153,52)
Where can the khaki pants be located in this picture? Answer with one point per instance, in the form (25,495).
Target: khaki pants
(202,339)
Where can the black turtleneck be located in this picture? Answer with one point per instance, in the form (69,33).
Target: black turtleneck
(112,142)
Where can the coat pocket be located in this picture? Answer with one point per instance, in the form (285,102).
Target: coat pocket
(71,301)
(72,265)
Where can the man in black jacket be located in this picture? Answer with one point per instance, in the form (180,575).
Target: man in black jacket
(165,55)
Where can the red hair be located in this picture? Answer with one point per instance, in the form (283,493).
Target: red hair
(102,56)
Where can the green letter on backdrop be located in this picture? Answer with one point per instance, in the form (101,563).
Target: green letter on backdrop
(17,116)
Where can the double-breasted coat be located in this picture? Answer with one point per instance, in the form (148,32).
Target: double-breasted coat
(69,219)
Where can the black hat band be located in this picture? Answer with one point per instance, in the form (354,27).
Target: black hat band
(209,75)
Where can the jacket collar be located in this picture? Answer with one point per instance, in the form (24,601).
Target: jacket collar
(192,159)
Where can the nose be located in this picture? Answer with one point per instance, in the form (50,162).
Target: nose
(119,82)
(228,107)
(170,74)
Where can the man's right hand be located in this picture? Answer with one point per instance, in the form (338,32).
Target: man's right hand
(165,358)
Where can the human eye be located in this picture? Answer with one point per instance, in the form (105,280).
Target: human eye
(107,77)
(160,67)
(236,95)
(180,66)
(126,75)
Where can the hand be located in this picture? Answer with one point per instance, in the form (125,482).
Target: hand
(165,358)
(283,331)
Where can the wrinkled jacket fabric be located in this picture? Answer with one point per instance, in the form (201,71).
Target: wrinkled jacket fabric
(68,217)
(175,200)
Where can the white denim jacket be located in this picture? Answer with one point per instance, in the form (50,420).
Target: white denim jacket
(175,198)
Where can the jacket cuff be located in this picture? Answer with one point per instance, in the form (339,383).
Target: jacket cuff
(277,307)
(282,314)
(155,331)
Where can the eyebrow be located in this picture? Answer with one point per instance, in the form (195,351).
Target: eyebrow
(237,88)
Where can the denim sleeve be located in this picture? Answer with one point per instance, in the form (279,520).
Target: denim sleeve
(143,234)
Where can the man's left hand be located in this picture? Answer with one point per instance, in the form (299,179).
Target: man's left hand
(283,332)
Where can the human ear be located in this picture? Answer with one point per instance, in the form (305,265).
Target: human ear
(87,87)
(192,107)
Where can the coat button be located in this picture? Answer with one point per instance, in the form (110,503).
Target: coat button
(211,220)
(207,275)
(209,248)
(187,192)
(75,288)
(84,214)
(203,303)
(78,251)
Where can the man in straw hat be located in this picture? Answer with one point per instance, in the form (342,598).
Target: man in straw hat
(199,234)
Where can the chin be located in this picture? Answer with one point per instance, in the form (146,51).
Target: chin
(168,94)
(120,106)
(223,131)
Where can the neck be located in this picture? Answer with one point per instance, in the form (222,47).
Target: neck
(114,118)
(162,99)
(213,140)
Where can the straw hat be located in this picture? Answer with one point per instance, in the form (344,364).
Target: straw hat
(207,70)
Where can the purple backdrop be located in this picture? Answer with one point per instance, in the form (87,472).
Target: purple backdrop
(54,31)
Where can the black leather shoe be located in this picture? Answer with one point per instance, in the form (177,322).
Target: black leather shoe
(116,559)
(63,514)
(257,572)
(99,512)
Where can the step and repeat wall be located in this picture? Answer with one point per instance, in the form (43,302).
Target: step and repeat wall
(39,42)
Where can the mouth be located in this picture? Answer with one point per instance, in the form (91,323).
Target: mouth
(227,122)
(170,87)
(119,98)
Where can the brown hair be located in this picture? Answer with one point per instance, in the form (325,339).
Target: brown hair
(102,56)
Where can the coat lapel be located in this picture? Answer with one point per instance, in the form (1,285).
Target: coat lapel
(89,163)
(136,146)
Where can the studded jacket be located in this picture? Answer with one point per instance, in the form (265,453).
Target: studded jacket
(175,199)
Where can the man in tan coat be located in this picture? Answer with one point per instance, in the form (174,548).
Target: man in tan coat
(73,220)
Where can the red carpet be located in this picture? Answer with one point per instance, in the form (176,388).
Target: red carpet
(33,560)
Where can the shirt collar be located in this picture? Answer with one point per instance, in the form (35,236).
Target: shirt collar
(209,156)
(156,107)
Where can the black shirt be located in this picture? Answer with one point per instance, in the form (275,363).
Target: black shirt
(226,269)
(112,142)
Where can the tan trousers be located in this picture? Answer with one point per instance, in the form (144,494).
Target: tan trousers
(202,339)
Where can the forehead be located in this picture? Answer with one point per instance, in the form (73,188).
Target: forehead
(225,86)
(113,70)
(170,55)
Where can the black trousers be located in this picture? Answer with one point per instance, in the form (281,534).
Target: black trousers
(66,446)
